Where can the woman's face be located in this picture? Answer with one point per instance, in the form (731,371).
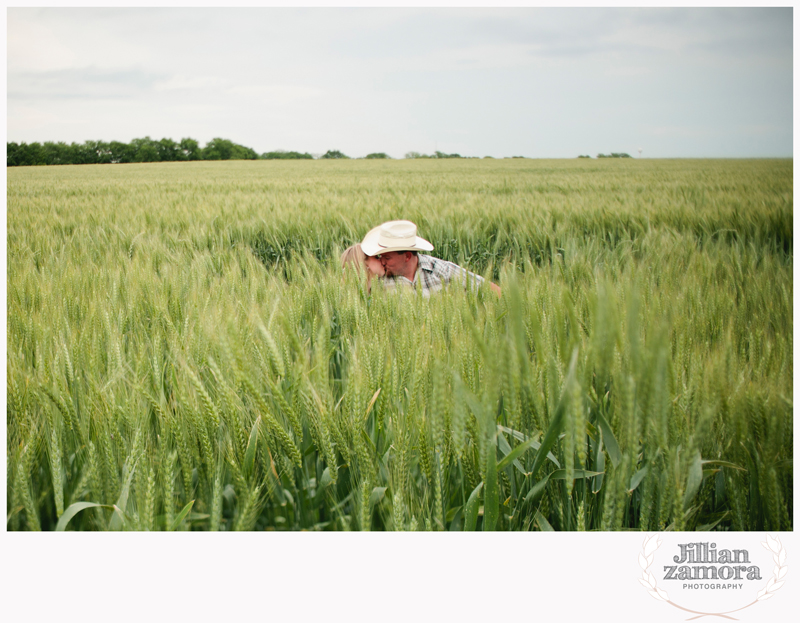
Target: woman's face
(375,267)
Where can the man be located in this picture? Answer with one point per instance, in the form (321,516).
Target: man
(397,246)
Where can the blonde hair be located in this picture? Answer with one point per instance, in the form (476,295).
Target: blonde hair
(355,257)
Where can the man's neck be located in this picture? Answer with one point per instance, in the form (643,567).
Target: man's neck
(411,268)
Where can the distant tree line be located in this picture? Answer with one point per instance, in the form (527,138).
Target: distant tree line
(611,155)
(334,154)
(138,150)
(166,150)
(436,154)
(285,155)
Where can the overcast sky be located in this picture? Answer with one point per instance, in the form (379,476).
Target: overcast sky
(542,83)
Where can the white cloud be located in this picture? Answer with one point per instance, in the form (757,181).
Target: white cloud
(276,93)
(32,46)
(681,131)
(383,79)
(88,83)
(187,83)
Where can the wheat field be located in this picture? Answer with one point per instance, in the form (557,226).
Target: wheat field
(185,353)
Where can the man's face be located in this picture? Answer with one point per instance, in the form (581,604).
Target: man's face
(393,262)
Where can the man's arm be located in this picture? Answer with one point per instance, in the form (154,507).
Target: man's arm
(476,279)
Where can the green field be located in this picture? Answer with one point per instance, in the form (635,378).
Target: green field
(185,353)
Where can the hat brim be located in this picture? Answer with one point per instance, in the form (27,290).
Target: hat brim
(371,247)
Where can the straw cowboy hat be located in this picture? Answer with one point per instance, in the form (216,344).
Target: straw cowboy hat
(394,236)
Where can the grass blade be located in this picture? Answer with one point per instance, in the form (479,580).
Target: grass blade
(544,525)
(724,464)
(537,490)
(534,444)
(694,480)
(637,478)
(609,441)
(371,403)
(120,508)
(561,474)
(376,495)
(514,454)
(556,424)
(471,512)
(181,516)
(491,492)
(250,453)
(73,510)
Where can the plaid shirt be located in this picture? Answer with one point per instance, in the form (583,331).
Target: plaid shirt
(432,275)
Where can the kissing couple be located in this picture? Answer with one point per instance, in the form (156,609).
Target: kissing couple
(391,252)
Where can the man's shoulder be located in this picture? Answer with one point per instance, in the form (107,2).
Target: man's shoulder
(426,262)
(438,270)
(434,264)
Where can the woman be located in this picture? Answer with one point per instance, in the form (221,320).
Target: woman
(355,257)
